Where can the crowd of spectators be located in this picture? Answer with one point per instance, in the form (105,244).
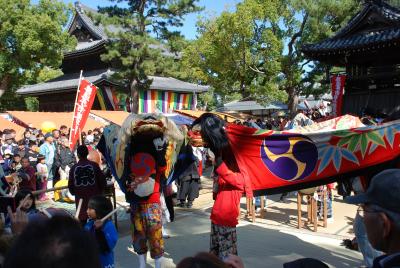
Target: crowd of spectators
(280,120)
(39,159)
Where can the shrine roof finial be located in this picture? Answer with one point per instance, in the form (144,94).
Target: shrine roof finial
(78,6)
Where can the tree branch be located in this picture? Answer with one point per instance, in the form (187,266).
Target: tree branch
(304,64)
(4,83)
(255,69)
(297,35)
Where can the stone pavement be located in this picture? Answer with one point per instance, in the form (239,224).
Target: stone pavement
(284,214)
(269,242)
(259,245)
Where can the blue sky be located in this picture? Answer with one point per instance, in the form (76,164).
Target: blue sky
(212,7)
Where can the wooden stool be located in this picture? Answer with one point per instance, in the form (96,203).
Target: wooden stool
(312,207)
(262,204)
(250,209)
(324,197)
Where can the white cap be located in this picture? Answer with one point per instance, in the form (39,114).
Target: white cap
(8,151)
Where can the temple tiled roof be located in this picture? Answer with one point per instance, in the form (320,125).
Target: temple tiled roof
(65,82)
(83,47)
(173,84)
(249,105)
(69,82)
(377,24)
(96,30)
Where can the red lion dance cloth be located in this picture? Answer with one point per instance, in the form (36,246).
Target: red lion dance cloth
(329,151)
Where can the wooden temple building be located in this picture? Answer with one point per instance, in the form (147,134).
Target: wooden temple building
(58,95)
(368,47)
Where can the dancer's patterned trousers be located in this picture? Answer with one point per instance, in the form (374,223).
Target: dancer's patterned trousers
(147,229)
(223,241)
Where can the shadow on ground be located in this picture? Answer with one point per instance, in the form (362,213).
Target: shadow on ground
(258,246)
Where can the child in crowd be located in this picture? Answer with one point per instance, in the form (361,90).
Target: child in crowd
(43,173)
(32,153)
(21,149)
(104,231)
(40,139)
(8,144)
(7,164)
(27,137)
(16,163)
(29,206)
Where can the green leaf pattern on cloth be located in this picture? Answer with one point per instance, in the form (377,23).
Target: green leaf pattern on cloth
(364,140)
(328,153)
(371,138)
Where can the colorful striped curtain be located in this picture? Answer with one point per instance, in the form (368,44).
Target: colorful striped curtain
(107,98)
(151,101)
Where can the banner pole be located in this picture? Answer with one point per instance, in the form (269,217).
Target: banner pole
(73,114)
(80,137)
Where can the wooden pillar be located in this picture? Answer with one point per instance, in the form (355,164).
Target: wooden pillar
(299,223)
(314,212)
(325,198)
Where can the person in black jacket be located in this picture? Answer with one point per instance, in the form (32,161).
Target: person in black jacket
(32,153)
(64,159)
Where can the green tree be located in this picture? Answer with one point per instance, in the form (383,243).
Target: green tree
(238,52)
(308,21)
(135,52)
(256,50)
(31,38)
(32,104)
(43,75)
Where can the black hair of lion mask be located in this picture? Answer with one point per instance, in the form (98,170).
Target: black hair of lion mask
(212,129)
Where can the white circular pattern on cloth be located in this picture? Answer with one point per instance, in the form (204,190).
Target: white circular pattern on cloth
(145,188)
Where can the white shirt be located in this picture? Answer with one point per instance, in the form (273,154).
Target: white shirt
(42,170)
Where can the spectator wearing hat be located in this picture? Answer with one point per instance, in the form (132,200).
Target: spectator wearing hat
(9,143)
(89,138)
(380,210)
(48,150)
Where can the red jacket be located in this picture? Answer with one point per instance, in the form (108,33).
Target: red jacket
(231,186)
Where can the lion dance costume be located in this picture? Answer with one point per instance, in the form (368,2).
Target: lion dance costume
(141,154)
(229,184)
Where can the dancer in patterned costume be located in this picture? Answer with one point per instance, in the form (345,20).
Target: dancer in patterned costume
(141,154)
